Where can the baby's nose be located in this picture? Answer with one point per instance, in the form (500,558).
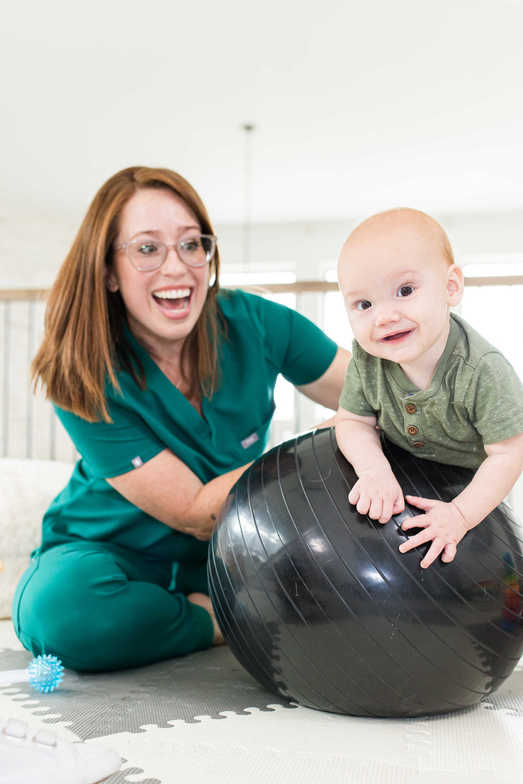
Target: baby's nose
(386,314)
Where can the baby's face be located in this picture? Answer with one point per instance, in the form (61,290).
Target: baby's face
(397,287)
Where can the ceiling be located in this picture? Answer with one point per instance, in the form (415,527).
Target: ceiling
(357,106)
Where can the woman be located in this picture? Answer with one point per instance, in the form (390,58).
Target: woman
(165,386)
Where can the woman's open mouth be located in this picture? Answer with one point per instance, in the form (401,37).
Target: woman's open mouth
(175,302)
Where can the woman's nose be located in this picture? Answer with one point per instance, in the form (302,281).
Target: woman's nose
(172,261)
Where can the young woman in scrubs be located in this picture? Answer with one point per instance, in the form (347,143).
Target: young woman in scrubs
(165,385)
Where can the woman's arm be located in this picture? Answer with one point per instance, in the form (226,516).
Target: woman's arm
(165,488)
(327,388)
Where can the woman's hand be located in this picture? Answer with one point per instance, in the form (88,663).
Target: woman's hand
(443,524)
(378,494)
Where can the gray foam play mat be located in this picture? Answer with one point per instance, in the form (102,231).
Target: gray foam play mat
(203,717)
(100,705)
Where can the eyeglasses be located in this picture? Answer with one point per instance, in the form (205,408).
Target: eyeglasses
(195,250)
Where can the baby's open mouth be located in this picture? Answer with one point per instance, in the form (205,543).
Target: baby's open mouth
(173,299)
(397,335)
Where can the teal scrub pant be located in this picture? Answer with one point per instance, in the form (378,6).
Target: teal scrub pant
(101,607)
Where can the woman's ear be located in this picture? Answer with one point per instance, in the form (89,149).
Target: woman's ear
(111,281)
(455,284)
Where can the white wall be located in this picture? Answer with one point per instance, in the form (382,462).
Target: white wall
(33,243)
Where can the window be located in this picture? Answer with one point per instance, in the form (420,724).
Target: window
(496,311)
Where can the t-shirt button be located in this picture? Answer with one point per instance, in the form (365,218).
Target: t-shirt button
(412,430)
(410,408)
(417,444)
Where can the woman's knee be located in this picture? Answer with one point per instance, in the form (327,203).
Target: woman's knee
(61,607)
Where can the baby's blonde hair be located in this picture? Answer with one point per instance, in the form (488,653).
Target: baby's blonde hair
(416,217)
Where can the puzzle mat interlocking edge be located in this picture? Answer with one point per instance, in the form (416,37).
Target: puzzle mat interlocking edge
(203,717)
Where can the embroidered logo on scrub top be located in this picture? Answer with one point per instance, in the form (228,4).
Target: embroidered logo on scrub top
(137,461)
(250,440)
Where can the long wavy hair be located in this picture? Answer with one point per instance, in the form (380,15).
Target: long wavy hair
(82,346)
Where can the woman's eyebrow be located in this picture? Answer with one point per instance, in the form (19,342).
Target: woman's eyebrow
(181,229)
(145,231)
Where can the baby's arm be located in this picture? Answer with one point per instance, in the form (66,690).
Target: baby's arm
(377,492)
(445,524)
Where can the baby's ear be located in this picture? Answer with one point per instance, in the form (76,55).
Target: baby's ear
(455,284)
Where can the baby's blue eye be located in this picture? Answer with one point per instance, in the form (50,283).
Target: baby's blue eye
(405,291)
(362,304)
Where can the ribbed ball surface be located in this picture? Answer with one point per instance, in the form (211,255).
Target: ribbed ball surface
(319,606)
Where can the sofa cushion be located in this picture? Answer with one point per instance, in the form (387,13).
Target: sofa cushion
(27,487)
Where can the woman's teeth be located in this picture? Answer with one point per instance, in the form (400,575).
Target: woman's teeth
(172,293)
(174,299)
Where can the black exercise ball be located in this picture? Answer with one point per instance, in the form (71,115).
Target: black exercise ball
(316,602)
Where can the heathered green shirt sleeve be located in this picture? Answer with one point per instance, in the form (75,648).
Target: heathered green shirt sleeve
(495,399)
(353,396)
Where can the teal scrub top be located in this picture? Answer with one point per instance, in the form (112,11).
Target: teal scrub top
(262,340)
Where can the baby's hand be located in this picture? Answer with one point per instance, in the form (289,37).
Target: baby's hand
(444,524)
(378,494)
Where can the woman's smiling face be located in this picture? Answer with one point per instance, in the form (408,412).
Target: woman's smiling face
(163,305)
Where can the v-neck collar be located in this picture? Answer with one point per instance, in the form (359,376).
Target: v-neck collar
(157,379)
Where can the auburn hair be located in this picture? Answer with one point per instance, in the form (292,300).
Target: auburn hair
(82,348)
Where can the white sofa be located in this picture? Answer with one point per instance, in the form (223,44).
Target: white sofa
(26,489)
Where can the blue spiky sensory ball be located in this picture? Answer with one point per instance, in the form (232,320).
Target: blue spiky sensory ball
(45,673)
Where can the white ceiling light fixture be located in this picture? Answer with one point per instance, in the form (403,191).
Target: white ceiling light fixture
(248,129)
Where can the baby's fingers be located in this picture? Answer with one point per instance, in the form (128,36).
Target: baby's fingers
(359,498)
(363,503)
(449,552)
(432,553)
(399,505)
(354,495)
(420,503)
(422,538)
(376,507)
(418,521)
(387,511)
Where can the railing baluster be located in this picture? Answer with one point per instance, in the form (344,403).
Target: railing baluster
(5,413)
(30,397)
(37,411)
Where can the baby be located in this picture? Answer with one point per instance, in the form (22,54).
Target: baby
(431,382)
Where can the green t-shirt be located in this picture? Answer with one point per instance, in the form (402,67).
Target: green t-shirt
(263,339)
(475,398)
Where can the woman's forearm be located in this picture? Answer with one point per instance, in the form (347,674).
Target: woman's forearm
(203,510)
(166,489)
